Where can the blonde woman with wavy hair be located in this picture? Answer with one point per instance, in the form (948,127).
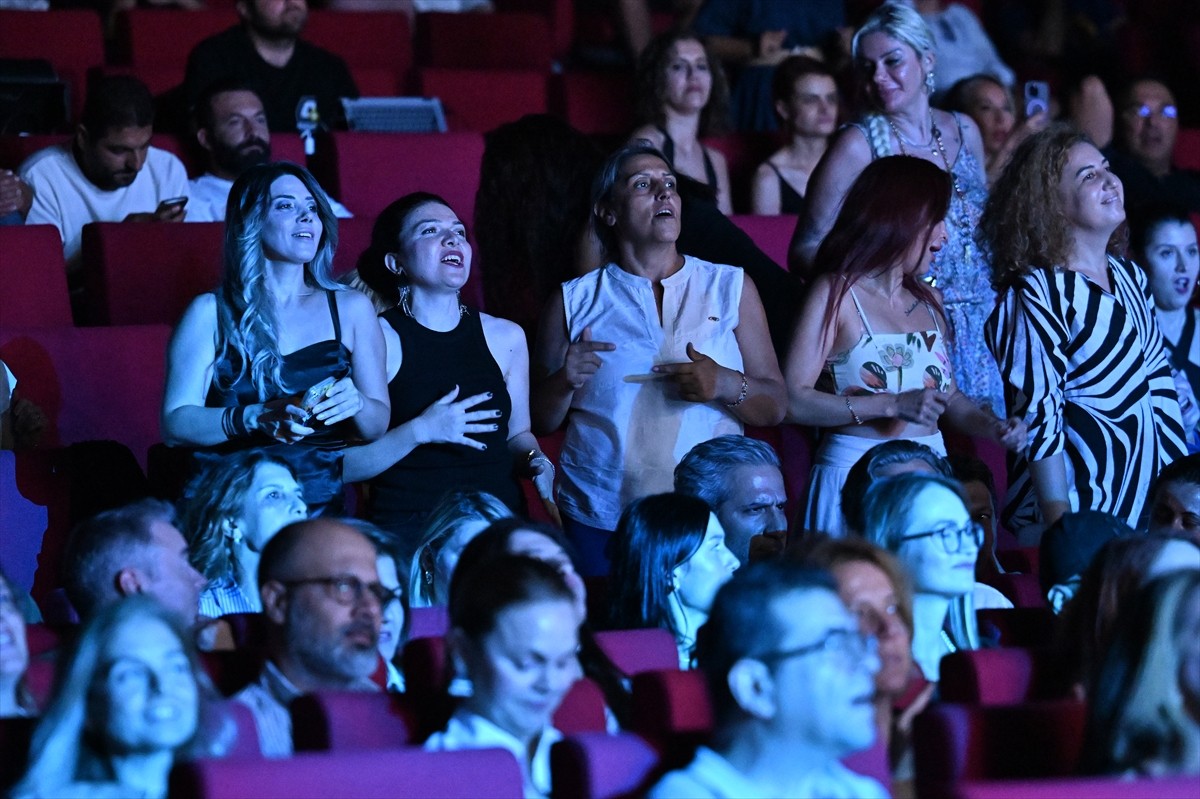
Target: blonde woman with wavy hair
(279,354)
(1078,346)
(1144,698)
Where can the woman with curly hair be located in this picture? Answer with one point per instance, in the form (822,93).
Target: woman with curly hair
(1075,337)
(280,354)
(1144,699)
(130,699)
(681,98)
(230,510)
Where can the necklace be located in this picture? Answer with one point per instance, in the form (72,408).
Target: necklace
(960,218)
(903,141)
(912,307)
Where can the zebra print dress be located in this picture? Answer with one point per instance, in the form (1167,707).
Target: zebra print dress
(1087,372)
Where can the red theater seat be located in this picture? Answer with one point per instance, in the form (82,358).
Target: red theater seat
(671,704)
(1187,149)
(596,103)
(343,721)
(432,622)
(93,383)
(70,39)
(635,651)
(147,273)
(482,99)
(34,277)
(601,766)
(155,42)
(1001,676)
(400,773)
(772,234)
(505,40)
(954,742)
(375,45)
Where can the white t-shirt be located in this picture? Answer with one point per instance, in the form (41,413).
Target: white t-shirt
(467,730)
(710,776)
(209,195)
(65,198)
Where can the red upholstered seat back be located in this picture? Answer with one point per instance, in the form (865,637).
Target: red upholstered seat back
(512,40)
(596,103)
(1002,676)
(34,277)
(482,99)
(955,742)
(93,383)
(375,45)
(635,651)
(432,622)
(772,234)
(408,773)
(146,273)
(601,766)
(340,721)
(70,39)
(671,703)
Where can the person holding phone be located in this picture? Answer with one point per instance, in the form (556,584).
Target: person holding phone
(895,59)
(244,357)
(990,104)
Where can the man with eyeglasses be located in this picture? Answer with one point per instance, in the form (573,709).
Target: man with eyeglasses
(323,605)
(1147,126)
(792,683)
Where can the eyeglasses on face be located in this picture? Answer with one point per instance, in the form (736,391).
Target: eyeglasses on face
(850,645)
(348,590)
(952,537)
(1144,111)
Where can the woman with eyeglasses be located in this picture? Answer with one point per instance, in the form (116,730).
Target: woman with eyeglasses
(923,520)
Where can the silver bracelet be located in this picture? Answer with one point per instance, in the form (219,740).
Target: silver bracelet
(855,416)
(742,394)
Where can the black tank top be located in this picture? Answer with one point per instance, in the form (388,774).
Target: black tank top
(433,364)
(710,172)
(790,200)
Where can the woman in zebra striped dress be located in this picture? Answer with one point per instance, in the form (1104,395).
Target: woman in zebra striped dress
(1075,338)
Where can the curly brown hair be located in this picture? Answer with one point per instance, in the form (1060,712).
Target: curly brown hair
(650,84)
(1023,224)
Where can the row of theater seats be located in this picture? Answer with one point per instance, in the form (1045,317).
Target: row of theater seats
(469,60)
(964,743)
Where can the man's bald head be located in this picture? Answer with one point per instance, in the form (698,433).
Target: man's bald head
(301,545)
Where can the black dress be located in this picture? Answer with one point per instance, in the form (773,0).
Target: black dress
(433,364)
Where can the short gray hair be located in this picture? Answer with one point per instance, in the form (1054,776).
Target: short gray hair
(704,470)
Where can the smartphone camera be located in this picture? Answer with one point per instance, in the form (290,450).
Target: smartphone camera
(1037,97)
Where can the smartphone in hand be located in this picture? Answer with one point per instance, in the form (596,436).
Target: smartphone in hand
(314,395)
(1037,97)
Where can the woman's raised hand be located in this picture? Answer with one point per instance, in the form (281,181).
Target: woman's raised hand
(582,361)
(282,419)
(1012,433)
(342,401)
(923,406)
(449,422)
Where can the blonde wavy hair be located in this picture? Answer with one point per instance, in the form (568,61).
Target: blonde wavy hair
(1024,225)
(246,323)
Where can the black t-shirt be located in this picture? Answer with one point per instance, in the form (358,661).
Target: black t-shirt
(1180,187)
(311,71)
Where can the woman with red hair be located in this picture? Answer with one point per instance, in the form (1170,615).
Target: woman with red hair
(869,358)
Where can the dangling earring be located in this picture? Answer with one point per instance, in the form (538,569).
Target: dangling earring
(428,577)
(929,84)
(234,534)
(405,305)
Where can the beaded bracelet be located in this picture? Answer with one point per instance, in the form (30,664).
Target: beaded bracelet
(742,394)
(855,416)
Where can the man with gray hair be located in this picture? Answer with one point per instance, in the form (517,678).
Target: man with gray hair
(134,549)
(323,606)
(740,479)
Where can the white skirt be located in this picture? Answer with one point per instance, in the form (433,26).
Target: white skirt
(835,456)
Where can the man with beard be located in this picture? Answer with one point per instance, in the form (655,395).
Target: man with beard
(231,127)
(322,603)
(108,172)
(266,51)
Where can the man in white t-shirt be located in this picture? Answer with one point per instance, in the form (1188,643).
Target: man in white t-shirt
(108,172)
(792,683)
(231,127)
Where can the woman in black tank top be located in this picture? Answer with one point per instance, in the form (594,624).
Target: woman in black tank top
(244,361)
(458,379)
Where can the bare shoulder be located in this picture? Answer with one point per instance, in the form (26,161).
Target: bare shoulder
(200,314)
(718,157)
(502,332)
(355,303)
(849,143)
